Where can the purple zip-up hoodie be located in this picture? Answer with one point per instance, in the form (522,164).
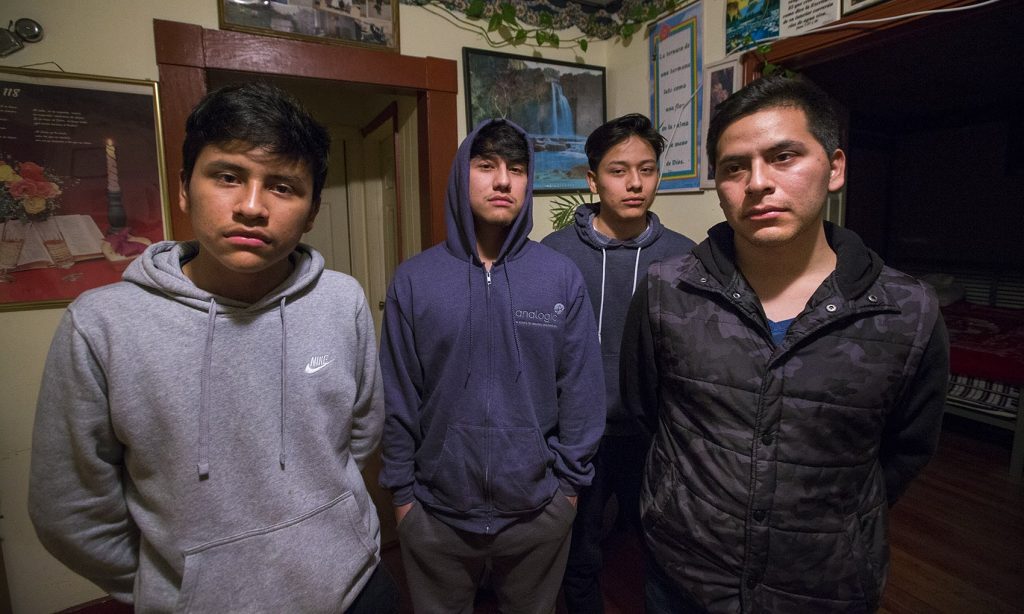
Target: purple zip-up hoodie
(493,382)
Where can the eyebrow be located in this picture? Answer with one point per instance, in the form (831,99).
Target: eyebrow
(238,169)
(626,163)
(777,146)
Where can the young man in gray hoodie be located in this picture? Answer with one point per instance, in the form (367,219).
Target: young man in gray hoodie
(613,242)
(202,424)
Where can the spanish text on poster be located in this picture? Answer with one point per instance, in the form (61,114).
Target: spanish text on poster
(799,16)
(675,51)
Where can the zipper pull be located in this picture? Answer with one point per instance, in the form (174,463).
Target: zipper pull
(488,271)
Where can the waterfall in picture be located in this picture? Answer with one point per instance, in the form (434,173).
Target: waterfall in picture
(561,113)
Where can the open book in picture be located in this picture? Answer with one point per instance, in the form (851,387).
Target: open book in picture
(82,240)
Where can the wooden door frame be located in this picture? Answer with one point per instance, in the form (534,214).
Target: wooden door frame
(185,52)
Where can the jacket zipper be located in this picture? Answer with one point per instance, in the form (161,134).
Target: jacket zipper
(487,415)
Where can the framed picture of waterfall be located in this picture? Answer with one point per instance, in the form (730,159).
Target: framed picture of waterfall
(558,103)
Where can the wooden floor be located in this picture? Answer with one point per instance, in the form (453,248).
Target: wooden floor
(957,538)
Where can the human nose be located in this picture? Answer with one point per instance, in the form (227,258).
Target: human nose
(502,177)
(760,178)
(633,181)
(250,203)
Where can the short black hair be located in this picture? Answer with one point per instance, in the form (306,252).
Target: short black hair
(500,139)
(778,91)
(257,115)
(613,132)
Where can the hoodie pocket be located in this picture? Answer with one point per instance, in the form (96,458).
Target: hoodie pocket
(310,563)
(480,467)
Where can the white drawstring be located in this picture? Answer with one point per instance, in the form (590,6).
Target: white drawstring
(636,269)
(600,311)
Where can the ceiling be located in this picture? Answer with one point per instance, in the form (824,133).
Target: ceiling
(936,71)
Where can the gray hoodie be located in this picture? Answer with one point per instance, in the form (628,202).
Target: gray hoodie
(192,453)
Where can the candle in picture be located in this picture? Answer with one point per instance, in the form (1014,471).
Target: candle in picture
(113,185)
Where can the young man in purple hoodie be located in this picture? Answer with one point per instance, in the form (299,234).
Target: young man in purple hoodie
(613,242)
(494,392)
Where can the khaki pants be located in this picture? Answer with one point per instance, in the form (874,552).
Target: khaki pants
(444,566)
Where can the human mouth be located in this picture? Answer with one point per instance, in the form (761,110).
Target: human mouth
(248,239)
(765,213)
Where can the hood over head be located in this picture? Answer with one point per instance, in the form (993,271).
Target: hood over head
(461,239)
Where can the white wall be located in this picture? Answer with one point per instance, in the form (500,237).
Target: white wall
(115,38)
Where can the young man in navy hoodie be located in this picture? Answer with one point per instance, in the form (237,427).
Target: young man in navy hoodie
(613,242)
(494,392)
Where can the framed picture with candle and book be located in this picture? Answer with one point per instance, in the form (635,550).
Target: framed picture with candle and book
(82,188)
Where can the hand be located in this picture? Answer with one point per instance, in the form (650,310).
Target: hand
(401,511)
(572,500)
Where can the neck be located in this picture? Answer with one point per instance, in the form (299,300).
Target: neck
(785,276)
(489,240)
(622,230)
(243,287)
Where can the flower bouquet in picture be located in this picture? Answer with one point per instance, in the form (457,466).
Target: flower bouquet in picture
(29,197)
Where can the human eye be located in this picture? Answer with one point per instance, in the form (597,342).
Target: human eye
(226,177)
(517,169)
(729,168)
(282,188)
(648,170)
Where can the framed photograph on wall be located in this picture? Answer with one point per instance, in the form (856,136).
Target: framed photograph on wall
(852,6)
(82,186)
(720,81)
(365,23)
(558,103)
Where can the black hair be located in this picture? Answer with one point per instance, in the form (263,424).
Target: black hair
(257,116)
(500,139)
(613,132)
(778,91)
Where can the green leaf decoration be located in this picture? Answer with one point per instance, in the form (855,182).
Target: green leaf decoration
(475,10)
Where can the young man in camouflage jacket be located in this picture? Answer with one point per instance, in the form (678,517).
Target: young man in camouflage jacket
(795,384)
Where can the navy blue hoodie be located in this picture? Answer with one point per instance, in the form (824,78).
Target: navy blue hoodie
(493,382)
(611,269)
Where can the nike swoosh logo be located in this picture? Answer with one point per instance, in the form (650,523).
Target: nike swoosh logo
(318,362)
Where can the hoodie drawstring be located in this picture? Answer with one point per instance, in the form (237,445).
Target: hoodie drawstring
(636,269)
(600,311)
(284,378)
(604,272)
(203,466)
(469,299)
(204,394)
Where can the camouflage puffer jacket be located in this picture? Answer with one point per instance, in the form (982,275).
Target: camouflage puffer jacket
(773,467)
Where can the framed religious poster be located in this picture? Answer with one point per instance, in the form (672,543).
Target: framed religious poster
(82,188)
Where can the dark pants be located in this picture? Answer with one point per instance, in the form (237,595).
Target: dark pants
(445,566)
(618,470)
(662,596)
(379,596)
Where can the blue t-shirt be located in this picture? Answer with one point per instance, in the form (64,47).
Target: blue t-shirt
(779,329)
